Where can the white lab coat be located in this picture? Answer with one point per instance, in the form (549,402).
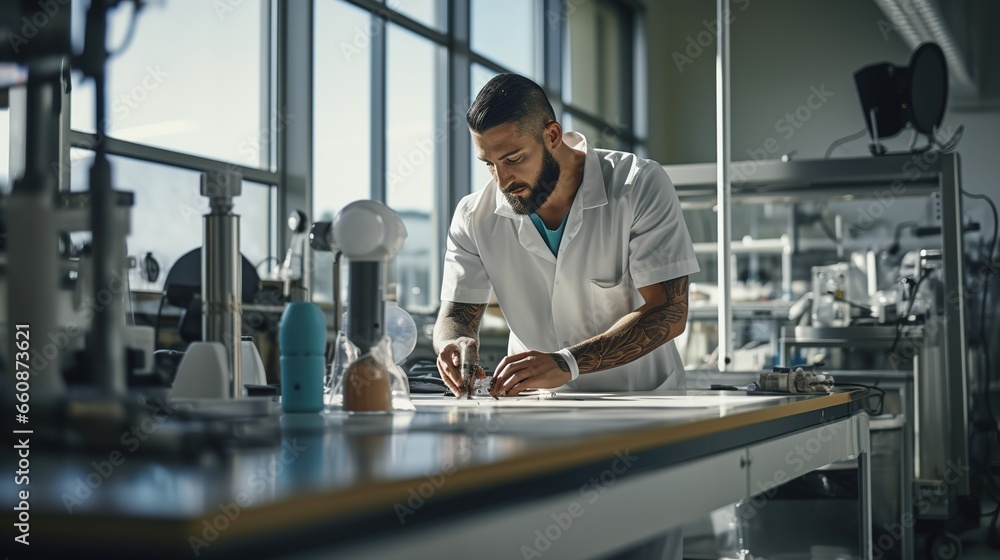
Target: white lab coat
(625,230)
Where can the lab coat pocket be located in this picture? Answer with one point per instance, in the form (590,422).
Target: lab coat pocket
(610,301)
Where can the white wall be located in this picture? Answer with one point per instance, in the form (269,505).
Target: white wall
(980,150)
(782,51)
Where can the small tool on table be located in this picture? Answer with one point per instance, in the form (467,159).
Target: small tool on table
(469,368)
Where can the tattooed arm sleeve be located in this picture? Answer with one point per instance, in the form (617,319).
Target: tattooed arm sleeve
(662,318)
(457,320)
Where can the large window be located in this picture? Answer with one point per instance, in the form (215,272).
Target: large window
(199,91)
(509,34)
(390,121)
(598,74)
(593,70)
(391,82)
(480,173)
(388,108)
(412,169)
(432,13)
(167,216)
(184,103)
(342,107)
(596,58)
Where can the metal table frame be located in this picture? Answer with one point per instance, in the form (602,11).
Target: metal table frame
(670,496)
(881,179)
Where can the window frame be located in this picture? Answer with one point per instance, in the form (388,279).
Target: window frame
(268,173)
(288,60)
(456,68)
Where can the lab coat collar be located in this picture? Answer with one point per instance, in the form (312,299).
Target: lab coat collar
(592,192)
(592,189)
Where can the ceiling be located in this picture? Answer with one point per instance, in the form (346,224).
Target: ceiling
(963,29)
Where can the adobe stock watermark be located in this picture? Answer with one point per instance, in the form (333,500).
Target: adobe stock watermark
(422,153)
(908,347)
(424,491)
(362,37)
(33,24)
(252,145)
(590,492)
(567,8)
(258,483)
(696,44)
(249,148)
(911,169)
(787,126)
(131,440)
(126,102)
(886,27)
(893,532)
(796,459)
(741,171)
(59,340)
(122,107)
(223,8)
(423,150)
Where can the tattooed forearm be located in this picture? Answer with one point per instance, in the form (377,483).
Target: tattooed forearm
(637,333)
(676,289)
(457,320)
(561,362)
(466,315)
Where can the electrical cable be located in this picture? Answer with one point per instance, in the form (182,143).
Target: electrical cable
(894,248)
(128,292)
(989,490)
(156,325)
(899,322)
(137,6)
(990,482)
(128,297)
(816,217)
(266,260)
(877,411)
(826,229)
(992,535)
(841,141)
(851,303)
(952,142)
(982,312)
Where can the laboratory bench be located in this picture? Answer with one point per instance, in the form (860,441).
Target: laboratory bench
(565,475)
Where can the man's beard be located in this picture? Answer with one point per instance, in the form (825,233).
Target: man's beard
(545,184)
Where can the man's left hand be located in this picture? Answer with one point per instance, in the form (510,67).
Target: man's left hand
(527,370)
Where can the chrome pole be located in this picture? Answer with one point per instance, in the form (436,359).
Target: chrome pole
(221,271)
(724,187)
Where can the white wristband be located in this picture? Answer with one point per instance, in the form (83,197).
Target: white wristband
(574,370)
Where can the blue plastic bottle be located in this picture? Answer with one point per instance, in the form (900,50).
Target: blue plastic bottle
(302,339)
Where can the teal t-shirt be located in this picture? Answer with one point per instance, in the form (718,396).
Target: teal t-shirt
(551,237)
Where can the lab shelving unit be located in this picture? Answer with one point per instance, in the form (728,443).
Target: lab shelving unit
(939,425)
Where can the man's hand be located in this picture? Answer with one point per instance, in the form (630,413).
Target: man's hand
(449,364)
(529,370)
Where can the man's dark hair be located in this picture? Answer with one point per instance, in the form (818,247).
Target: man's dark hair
(510,98)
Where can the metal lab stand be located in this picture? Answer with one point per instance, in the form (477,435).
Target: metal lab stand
(898,490)
(943,394)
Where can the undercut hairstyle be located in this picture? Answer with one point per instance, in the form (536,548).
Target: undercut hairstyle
(510,98)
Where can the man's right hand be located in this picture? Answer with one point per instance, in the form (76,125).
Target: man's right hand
(449,363)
